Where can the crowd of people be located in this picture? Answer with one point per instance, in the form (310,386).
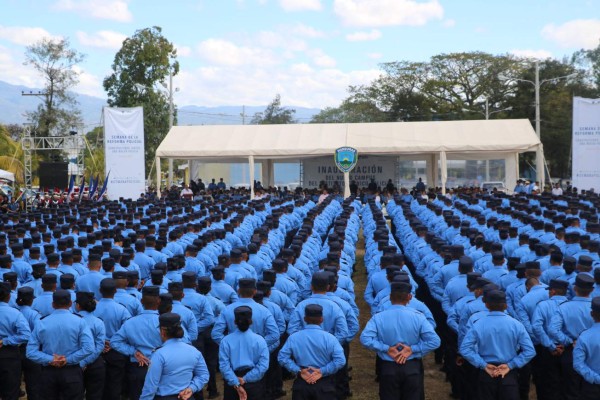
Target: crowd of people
(150,298)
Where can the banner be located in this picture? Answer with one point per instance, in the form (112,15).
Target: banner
(124,152)
(586,143)
(324,169)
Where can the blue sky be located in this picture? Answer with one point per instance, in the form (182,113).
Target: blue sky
(235,52)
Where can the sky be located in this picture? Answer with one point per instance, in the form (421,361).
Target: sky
(243,52)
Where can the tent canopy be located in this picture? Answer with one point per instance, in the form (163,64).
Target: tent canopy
(9,176)
(434,141)
(235,143)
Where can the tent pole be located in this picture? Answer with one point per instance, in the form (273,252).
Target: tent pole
(170,181)
(346,185)
(251,175)
(157,162)
(444,170)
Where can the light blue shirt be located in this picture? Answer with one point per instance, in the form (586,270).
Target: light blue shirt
(175,367)
(243,350)
(586,355)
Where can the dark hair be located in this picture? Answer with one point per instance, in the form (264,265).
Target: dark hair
(174,332)
(496,306)
(246,292)
(399,297)
(62,302)
(583,292)
(38,274)
(243,324)
(89,306)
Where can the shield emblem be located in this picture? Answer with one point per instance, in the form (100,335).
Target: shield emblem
(345,158)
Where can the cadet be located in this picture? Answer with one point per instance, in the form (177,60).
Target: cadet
(586,356)
(137,339)
(401,336)
(31,370)
(59,343)
(177,370)
(43,303)
(14,331)
(263,322)
(113,315)
(334,319)
(243,359)
(94,371)
(314,356)
(498,345)
(572,318)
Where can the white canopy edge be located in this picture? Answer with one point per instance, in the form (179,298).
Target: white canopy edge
(234,143)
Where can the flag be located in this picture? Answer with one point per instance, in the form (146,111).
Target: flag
(71,188)
(81,188)
(104,186)
(94,186)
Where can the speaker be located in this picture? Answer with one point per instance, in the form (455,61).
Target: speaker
(53,175)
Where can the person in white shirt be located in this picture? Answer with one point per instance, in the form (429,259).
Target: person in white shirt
(557,190)
(186,192)
(323,196)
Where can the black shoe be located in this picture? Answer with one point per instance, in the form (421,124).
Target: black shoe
(213,395)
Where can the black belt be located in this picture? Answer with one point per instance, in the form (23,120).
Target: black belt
(70,366)
(241,372)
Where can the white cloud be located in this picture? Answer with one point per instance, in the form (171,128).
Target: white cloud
(183,51)
(88,83)
(449,23)
(574,34)
(362,36)
(528,53)
(299,85)
(102,39)
(225,53)
(306,31)
(114,10)
(374,56)
(320,59)
(24,35)
(378,13)
(301,5)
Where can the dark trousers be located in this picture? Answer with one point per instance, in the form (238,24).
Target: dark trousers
(210,352)
(136,376)
(342,380)
(10,372)
(323,389)
(524,381)
(547,375)
(93,380)
(31,374)
(115,372)
(466,375)
(64,383)
(589,391)
(571,379)
(506,388)
(273,377)
(254,390)
(401,381)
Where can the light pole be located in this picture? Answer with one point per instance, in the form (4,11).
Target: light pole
(170,91)
(539,154)
(487,114)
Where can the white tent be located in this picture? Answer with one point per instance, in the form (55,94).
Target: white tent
(9,176)
(466,140)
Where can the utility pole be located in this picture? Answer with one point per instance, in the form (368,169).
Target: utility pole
(243,115)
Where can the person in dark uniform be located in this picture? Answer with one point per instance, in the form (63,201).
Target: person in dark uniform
(243,360)
(314,356)
(93,366)
(586,356)
(14,331)
(177,370)
(401,336)
(59,343)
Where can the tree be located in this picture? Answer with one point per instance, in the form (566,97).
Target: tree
(350,112)
(55,61)
(274,114)
(144,62)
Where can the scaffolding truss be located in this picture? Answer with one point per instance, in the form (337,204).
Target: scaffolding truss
(74,144)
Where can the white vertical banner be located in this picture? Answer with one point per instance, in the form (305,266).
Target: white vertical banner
(124,152)
(586,143)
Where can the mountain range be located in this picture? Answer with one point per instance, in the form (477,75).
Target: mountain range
(13,106)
